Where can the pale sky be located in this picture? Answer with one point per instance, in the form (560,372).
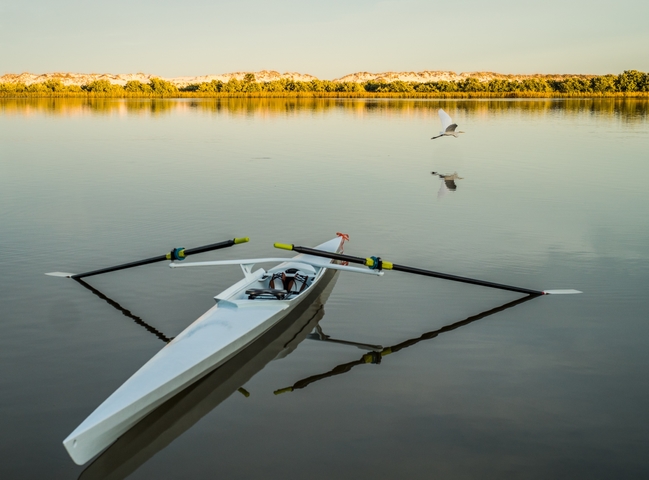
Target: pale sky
(326,39)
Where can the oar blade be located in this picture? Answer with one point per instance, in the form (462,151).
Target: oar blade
(568,291)
(60,274)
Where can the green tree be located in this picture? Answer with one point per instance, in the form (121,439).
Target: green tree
(210,87)
(330,86)
(135,86)
(296,86)
(249,78)
(316,86)
(37,88)
(348,87)
(11,87)
(574,85)
(163,87)
(371,86)
(471,85)
(426,87)
(192,87)
(603,84)
(250,86)
(101,86)
(275,86)
(399,86)
(645,83)
(630,81)
(535,85)
(444,86)
(54,85)
(232,86)
(501,85)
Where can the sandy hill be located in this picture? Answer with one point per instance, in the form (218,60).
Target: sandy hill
(267,76)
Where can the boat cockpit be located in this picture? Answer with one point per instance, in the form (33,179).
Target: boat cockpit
(282,282)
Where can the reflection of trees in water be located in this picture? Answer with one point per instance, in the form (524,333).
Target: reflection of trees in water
(627,109)
(83,106)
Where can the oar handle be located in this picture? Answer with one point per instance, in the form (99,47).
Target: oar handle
(175,254)
(377,263)
(216,246)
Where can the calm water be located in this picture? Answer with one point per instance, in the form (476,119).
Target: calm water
(550,194)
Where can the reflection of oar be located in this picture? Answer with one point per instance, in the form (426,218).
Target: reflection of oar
(321,336)
(375,263)
(176,254)
(375,357)
(125,312)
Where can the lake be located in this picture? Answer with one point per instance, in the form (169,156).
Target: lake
(543,194)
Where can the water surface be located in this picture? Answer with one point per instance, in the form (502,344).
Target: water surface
(548,194)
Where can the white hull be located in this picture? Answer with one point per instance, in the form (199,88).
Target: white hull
(212,339)
(162,426)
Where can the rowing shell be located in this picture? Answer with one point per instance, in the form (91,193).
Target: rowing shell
(174,417)
(243,313)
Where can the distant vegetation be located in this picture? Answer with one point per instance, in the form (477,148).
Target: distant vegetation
(628,82)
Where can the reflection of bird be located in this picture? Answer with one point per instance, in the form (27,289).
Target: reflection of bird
(448,127)
(448,183)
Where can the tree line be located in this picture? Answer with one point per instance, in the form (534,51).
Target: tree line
(630,81)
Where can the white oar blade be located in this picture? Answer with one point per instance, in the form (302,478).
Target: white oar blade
(60,274)
(560,292)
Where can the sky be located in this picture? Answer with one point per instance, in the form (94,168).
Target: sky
(324,39)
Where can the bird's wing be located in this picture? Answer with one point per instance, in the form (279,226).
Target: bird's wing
(451,128)
(450,184)
(446,120)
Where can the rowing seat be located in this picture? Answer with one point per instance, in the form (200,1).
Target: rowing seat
(279,294)
(292,280)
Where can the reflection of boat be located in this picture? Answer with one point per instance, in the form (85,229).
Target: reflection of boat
(448,183)
(243,312)
(375,357)
(177,415)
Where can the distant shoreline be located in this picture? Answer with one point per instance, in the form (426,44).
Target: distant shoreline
(630,83)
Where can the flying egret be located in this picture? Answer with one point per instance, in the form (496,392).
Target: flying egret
(448,127)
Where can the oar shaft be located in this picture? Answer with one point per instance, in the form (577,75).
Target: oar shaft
(456,278)
(402,268)
(161,258)
(215,246)
(138,263)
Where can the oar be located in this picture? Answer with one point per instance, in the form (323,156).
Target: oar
(176,254)
(375,263)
